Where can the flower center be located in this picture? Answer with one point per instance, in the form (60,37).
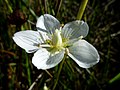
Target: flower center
(57,39)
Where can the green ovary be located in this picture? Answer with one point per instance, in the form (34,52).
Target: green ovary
(57,39)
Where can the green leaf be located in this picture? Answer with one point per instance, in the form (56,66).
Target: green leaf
(117,77)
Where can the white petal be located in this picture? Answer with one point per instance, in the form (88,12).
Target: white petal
(75,29)
(48,23)
(40,23)
(84,54)
(42,59)
(55,59)
(27,40)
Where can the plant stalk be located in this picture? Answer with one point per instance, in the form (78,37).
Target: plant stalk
(60,68)
(82,9)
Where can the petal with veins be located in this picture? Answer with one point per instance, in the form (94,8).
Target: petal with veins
(28,40)
(75,29)
(48,23)
(40,24)
(84,54)
(42,59)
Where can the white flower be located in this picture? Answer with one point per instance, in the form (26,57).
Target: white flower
(51,42)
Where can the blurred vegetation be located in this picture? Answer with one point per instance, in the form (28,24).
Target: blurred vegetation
(18,73)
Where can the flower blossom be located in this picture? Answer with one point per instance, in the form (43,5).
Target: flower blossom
(51,42)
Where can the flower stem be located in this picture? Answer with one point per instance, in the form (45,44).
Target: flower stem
(28,69)
(82,9)
(58,74)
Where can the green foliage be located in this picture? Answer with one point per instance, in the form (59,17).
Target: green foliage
(16,69)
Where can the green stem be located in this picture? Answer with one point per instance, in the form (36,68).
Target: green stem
(117,77)
(82,9)
(58,74)
(69,65)
(28,69)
